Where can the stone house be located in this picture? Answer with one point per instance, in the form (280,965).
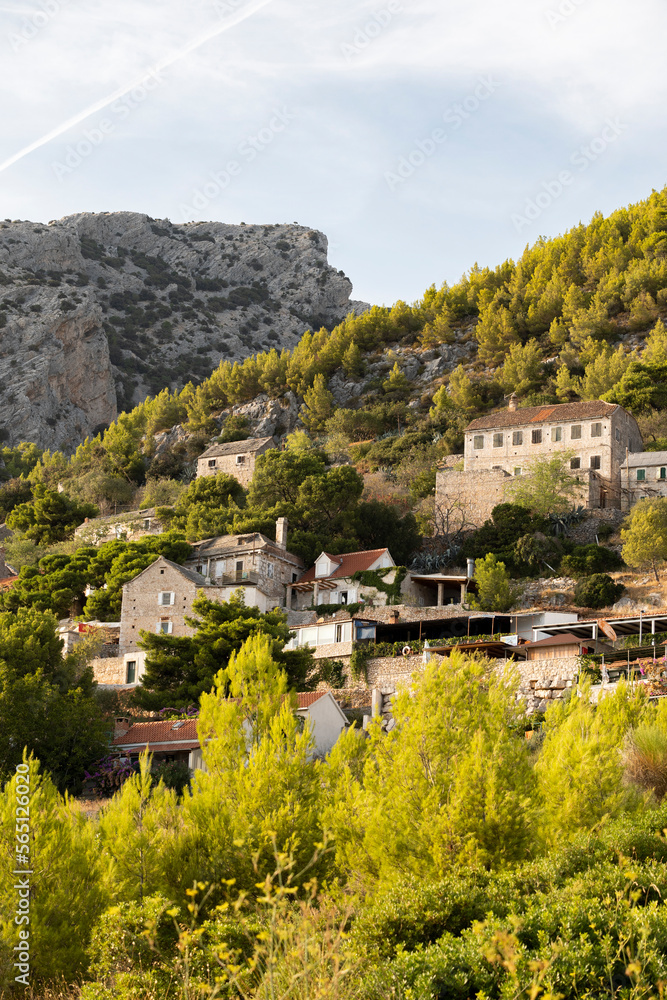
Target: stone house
(128,526)
(330,581)
(235,458)
(264,569)
(158,600)
(643,476)
(500,446)
(177,740)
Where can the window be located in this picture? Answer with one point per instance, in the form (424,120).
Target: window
(595,461)
(239,570)
(575,432)
(343,597)
(269,571)
(536,437)
(200,569)
(618,433)
(166,598)
(240,459)
(211,463)
(517,437)
(556,433)
(164,627)
(575,463)
(641,475)
(498,440)
(478,441)
(663,473)
(130,671)
(339,633)
(295,577)
(147,524)
(596,430)
(517,472)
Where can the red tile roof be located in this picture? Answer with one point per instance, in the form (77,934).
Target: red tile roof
(160,735)
(348,563)
(543,414)
(307,698)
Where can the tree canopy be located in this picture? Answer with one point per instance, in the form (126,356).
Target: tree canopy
(180,668)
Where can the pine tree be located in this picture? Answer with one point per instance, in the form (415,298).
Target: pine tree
(578,769)
(353,364)
(318,405)
(644,535)
(494,589)
(522,370)
(655,350)
(135,828)
(66,891)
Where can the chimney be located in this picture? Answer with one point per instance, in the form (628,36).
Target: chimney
(393,617)
(281,533)
(513,403)
(122,724)
(471,569)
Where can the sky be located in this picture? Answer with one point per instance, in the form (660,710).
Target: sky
(421,136)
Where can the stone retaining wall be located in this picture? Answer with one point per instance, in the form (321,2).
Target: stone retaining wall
(541,681)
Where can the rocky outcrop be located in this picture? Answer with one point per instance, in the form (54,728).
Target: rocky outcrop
(98,311)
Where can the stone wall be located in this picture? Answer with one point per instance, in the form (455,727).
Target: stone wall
(541,681)
(141,608)
(242,471)
(109,669)
(477,493)
(334,651)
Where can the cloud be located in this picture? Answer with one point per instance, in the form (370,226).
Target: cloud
(368,80)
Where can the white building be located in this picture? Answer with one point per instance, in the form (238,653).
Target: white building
(643,476)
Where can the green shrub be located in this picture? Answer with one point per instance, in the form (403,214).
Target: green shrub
(597,591)
(585,560)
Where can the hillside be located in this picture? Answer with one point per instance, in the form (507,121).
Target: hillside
(577,317)
(98,311)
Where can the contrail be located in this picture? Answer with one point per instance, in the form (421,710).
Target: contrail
(236,18)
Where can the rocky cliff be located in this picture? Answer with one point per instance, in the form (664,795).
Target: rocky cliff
(98,311)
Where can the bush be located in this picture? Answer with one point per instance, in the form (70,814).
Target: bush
(584,560)
(175,774)
(597,591)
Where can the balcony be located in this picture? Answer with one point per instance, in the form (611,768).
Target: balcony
(239,578)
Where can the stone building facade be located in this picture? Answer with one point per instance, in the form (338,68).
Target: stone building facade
(129,526)
(264,569)
(235,458)
(596,437)
(158,600)
(643,477)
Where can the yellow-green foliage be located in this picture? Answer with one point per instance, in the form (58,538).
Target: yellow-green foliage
(579,768)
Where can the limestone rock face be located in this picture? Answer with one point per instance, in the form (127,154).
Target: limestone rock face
(97,311)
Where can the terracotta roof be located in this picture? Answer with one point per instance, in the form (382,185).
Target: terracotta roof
(552,414)
(307,698)
(566,639)
(348,563)
(161,734)
(236,447)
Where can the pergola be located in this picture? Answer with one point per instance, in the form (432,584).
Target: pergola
(642,625)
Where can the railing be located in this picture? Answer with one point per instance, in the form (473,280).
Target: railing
(229,579)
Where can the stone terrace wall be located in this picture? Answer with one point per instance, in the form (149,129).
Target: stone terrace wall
(541,681)
(476,492)
(109,669)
